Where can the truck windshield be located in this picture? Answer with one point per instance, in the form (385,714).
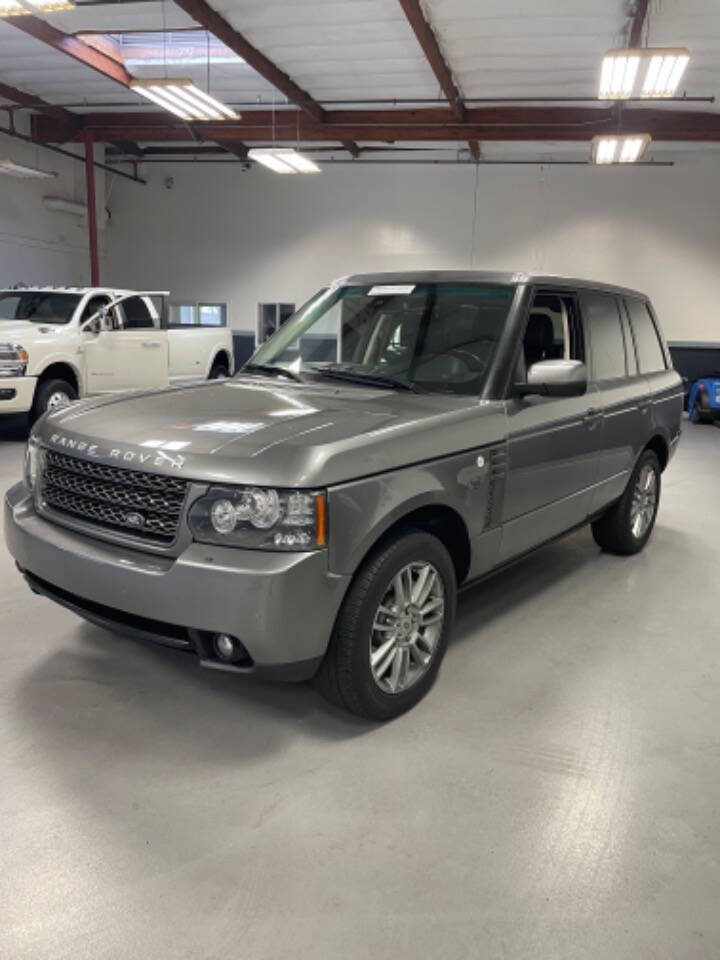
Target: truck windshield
(39,306)
(436,337)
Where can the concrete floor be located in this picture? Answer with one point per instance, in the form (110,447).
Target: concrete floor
(557,795)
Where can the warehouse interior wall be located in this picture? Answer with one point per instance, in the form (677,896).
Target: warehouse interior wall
(39,246)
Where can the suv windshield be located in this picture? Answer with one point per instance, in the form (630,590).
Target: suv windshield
(428,336)
(39,306)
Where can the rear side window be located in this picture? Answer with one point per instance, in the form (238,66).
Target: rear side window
(137,315)
(650,354)
(607,347)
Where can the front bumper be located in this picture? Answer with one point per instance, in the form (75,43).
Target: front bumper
(17,394)
(281,606)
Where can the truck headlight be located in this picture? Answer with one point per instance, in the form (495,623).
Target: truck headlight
(13,360)
(33,462)
(261,518)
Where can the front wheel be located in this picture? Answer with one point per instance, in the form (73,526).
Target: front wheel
(393,628)
(51,395)
(626,526)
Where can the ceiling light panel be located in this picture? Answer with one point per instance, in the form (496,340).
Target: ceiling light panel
(12,169)
(649,72)
(11,8)
(183,99)
(283,160)
(619,148)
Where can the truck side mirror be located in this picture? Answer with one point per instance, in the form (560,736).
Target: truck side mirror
(554,378)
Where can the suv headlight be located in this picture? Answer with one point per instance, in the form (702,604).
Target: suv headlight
(33,462)
(261,518)
(13,360)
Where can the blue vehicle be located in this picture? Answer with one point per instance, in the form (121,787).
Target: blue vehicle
(704,399)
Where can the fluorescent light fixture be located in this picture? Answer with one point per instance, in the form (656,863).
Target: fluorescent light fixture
(661,69)
(12,169)
(52,6)
(619,148)
(183,98)
(617,78)
(11,8)
(283,160)
(664,72)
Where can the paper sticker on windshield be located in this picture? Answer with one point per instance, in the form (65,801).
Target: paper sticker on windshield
(385,289)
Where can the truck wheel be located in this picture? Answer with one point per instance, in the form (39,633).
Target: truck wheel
(393,628)
(50,394)
(219,371)
(626,527)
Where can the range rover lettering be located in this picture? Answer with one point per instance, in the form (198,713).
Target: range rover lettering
(314,516)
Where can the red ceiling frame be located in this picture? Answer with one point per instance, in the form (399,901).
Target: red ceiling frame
(434,56)
(204,14)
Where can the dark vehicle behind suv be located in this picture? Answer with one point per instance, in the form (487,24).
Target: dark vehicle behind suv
(313,517)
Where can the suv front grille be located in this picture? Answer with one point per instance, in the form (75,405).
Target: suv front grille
(146,505)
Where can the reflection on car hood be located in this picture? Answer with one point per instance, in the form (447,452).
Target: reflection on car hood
(24,331)
(262,430)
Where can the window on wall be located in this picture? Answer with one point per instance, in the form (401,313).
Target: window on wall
(198,315)
(272,316)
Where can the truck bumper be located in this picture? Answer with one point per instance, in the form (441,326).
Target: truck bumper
(281,606)
(16,394)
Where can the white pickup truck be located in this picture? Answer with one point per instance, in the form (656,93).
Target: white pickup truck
(60,343)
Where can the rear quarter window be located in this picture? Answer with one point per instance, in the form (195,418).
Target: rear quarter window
(650,354)
(607,346)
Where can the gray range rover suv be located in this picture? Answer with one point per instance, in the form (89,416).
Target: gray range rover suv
(401,435)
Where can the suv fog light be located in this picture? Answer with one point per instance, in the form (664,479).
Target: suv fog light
(228,649)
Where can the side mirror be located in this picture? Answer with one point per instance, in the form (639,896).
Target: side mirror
(98,321)
(554,378)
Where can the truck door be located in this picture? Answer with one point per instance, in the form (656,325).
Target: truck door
(131,353)
(553,442)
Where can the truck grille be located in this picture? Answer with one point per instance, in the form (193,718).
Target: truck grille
(146,505)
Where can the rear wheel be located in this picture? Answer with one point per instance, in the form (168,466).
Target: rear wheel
(51,395)
(626,527)
(219,370)
(393,628)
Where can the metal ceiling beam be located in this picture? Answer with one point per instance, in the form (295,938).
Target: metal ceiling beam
(72,46)
(434,56)
(638,22)
(24,99)
(204,14)
(511,123)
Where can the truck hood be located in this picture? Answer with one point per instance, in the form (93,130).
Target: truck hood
(267,431)
(25,331)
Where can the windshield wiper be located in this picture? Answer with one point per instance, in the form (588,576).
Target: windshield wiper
(272,370)
(354,376)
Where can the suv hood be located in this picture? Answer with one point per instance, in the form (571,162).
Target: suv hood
(267,431)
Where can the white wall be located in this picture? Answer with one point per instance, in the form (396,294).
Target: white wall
(37,245)
(221,234)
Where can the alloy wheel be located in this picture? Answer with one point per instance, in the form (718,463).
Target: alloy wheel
(644,502)
(407,627)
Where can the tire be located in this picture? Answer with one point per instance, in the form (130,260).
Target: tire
(700,415)
(219,370)
(417,644)
(48,394)
(618,529)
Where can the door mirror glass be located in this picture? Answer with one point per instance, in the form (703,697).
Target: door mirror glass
(555,378)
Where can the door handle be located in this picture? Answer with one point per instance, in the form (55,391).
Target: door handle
(151,343)
(592,416)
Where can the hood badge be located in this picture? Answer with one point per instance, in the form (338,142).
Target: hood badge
(156,458)
(134,519)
